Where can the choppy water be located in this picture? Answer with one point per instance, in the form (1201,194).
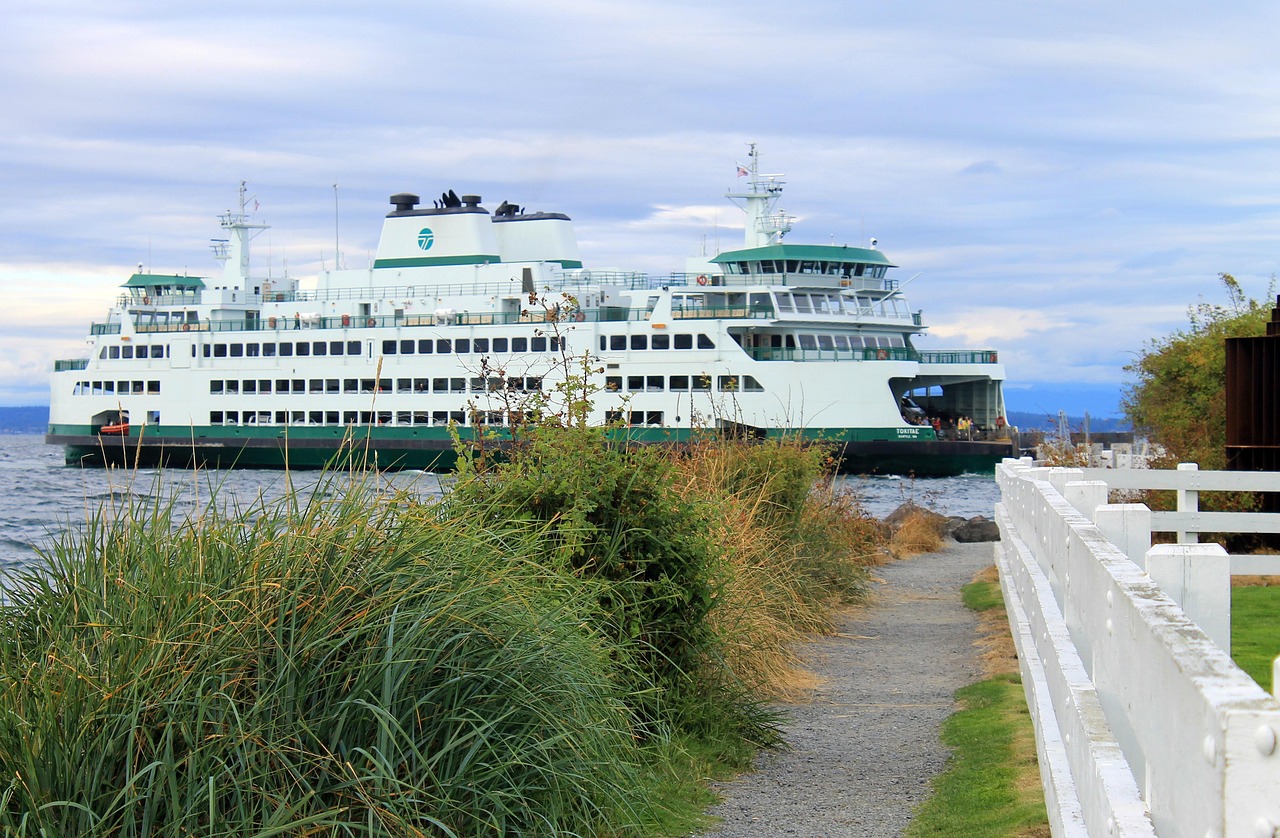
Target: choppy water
(39,495)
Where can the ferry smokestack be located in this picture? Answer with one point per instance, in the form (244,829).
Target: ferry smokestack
(404,201)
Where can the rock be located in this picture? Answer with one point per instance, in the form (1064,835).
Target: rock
(895,518)
(976,529)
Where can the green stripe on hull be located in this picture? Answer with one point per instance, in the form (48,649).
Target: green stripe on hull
(862,450)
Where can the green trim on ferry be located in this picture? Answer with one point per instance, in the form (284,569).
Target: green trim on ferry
(436,261)
(149,280)
(806,252)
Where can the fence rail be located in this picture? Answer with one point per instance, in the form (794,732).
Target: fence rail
(1144,725)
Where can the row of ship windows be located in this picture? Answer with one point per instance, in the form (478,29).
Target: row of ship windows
(436,418)
(620,343)
(466,346)
(109,388)
(680,383)
(285,386)
(425,346)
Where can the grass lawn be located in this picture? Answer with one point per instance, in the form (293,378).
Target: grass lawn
(1255,630)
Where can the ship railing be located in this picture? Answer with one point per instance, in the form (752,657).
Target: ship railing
(769,353)
(560,279)
(789,279)
(70,364)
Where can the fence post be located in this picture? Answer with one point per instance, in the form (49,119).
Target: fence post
(1128,526)
(1188,501)
(1198,578)
(1085,495)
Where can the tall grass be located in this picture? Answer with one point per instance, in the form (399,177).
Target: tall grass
(339,668)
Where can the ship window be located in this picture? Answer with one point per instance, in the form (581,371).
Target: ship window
(268,350)
(613,416)
(842,341)
(232,387)
(604,343)
(519,344)
(494,384)
(103,352)
(282,385)
(250,386)
(481,344)
(477,384)
(515,384)
(286,350)
(404,385)
(319,347)
(316,417)
(617,343)
(533,384)
(122,386)
(653,384)
(335,347)
(750,385)
(701,382)
(264,385)
(727,383)
(108,386)
(388,347)
(282,417)
(215,388)
(444,347)
(635,382)
(353,347)
(826,342)
(299,385)
(331,385)
(297,417)
(897,341)
(804,305)
(440,385)
(351,385)
(439,417)
(215,417)
(331,417)
(458,417)
(808,342)
(499,344)
(384,385)
(639,342)
(426,346)
(613,383)
(704,342)
(404,417)
(350,417)
(406,347)
(158,351)
(538,344)
(126,352)
(237,350)
(317,385)
(232,417)
(457,385)
(660,341)
(462,346)
(683,341)
(678,382)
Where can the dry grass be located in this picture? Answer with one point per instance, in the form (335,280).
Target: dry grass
(918,533)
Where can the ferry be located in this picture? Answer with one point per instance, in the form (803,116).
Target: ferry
(467,316)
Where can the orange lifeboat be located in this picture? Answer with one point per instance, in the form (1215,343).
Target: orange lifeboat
(115,429)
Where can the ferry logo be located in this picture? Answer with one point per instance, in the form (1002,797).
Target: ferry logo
(426,238)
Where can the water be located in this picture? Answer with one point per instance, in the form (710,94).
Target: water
(967,495)
(43,496)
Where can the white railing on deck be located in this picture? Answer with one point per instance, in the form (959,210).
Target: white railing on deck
(1144,725)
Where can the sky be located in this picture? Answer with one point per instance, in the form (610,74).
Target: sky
(1058,181)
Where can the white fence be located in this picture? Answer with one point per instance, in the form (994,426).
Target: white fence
(1144,725)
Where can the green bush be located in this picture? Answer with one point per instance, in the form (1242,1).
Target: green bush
(615,523)
(353,666)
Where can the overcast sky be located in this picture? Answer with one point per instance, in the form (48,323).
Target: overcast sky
(1066,178)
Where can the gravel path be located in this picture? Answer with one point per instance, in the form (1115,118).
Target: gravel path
(860,755)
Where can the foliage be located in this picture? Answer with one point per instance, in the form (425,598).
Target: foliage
(340,668)
(1179,394)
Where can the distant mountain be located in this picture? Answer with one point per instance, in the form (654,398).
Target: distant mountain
(1039,421)
(24,420)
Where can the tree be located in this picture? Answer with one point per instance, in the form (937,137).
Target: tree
(1179,396)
